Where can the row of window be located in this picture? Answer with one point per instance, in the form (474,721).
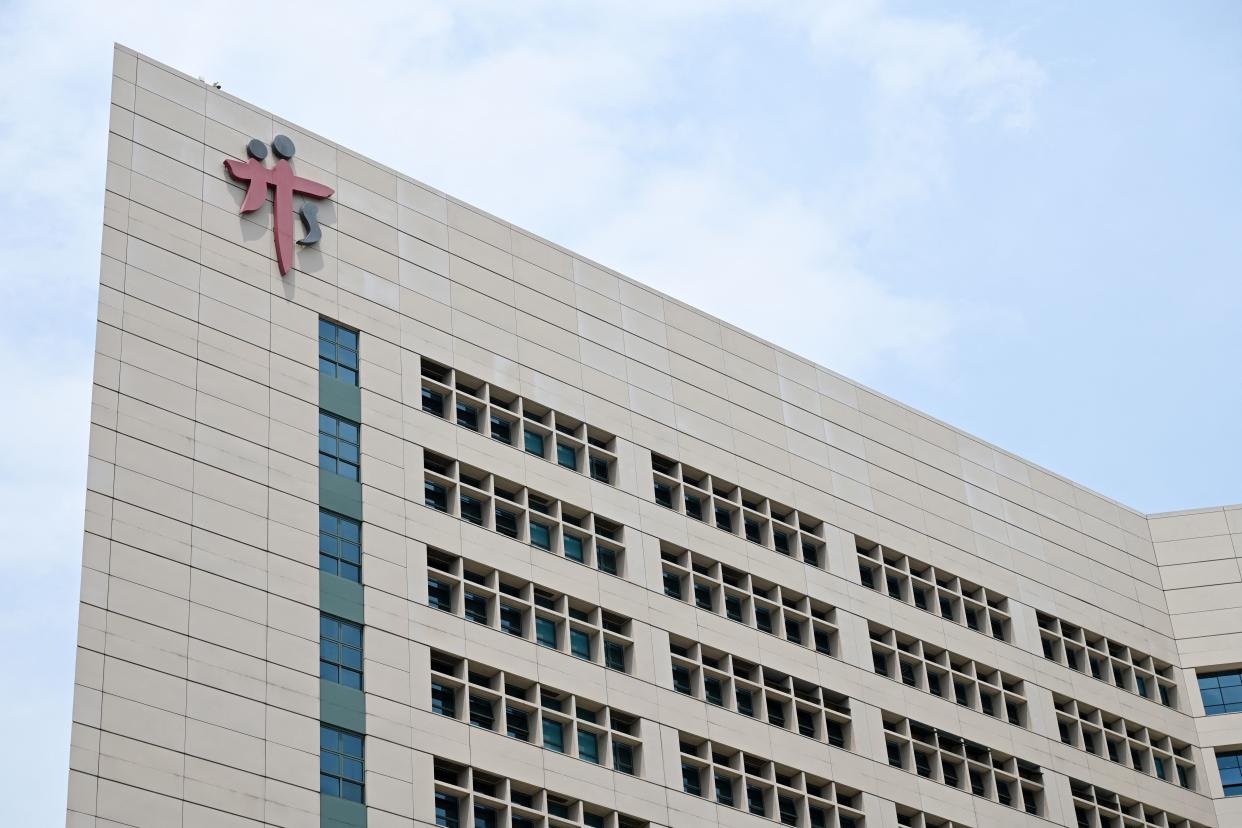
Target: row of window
(479,406)
(960,763)
(526,610)
(724,680)
(1106,660)
(741,597)
(533,712)
(933,589)
(486,801)
(764,788)
(1096,807)
(1096,731)
(738,511)
(515,511)
(935,670)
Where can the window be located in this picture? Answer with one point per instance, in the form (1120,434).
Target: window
(439,595)
(623,758)
(340,651)
(484,817)
(467,416)
(443,700)
(340,546)
(614,656)
(338,445)
(566,456)
(340,763)
(435,496)
(510,620)
(579,644)
(472,510)
(605,560)
(517,724)
(663,494)
(476,608)
(446,811)
(506,522)
(681,679)
(553,736)
(588,746)
(502,430)
(672,585)
(1230,766)
(690,780)
(433,402)
(599,469)
(545,632)
(713,691)
(745,702)
(532,442)
(338,352)
(540,536)
(754,801)
(703,597)
(724,790)
(1222,692)
(481,714)
(573,548)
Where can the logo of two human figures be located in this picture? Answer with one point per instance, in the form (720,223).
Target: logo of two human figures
(282,180)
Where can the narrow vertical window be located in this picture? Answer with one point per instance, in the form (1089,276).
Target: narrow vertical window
(338,445)
(340,651)
(340,545)
(340,763)
(338,352)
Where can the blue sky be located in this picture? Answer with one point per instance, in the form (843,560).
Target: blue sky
(1021,218)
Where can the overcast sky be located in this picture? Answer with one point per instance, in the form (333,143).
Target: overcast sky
(1022,218)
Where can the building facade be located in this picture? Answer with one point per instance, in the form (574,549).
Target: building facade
(448,525)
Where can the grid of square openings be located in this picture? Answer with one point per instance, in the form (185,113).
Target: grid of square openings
(481,498)
(468,796)
(340,546)
(724,680)
(933,589)
(338,445)
(516,421)
(1096,807)
(520,608)
(1147,751)
(937,671)
(340,651)
(963,764)
(765,788)
(1221,692)
(338,352)
(740,512)
(1109,661)
(910,818)
(532,712)
(741,597)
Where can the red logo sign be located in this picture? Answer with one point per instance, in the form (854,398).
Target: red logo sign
(279,177)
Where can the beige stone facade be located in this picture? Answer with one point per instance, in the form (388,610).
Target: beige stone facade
(897,625)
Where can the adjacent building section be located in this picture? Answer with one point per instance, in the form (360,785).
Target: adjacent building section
(449,526)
